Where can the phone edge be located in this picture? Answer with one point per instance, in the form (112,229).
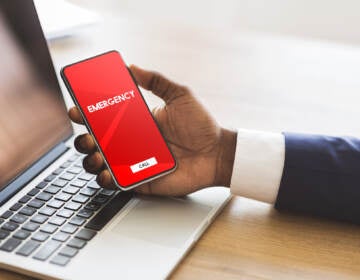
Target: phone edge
(68,87)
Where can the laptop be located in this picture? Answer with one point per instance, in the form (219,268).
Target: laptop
(55,221)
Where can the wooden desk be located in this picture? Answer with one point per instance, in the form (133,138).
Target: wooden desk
(256,82)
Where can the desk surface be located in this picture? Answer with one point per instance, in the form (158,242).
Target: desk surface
(258,82)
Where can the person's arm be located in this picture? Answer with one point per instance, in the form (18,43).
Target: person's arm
(311,174)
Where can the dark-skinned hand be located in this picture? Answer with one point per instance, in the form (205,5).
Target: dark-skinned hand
(204,151)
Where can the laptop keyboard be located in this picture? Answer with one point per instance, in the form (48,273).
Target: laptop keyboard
(58,217)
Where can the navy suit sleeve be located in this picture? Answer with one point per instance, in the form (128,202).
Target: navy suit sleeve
(321,176)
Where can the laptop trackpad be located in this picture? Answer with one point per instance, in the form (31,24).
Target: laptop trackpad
(164,221)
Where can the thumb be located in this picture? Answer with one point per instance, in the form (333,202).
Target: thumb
(157,83)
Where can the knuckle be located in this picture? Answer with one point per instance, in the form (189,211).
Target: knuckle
(84,143)
(99,180)
(88,141)
(91,164)
(86,164)
(78,145)
(78,148)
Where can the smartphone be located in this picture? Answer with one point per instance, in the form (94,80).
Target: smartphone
(118,118)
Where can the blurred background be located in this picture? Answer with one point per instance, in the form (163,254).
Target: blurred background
(276,65)
(334,20)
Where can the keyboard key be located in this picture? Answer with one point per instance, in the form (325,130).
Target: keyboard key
(109,210)
(75,170)
(63,196)
(10,244)
(86,176)
(29,247)
(58,171)
(35,203)
(40,236)
(44,196)
(47,211)
(80,198)
(106,192)
(67,176)
(24,199)
(48,228)
(78,183)
(60,260)
(79,163)
(73,157)
(61,236)
(68,228)
(59,183)
(77,243)
(4,234)
(52,189)
(50,178)
(30,226)
(1,221)
(85,213)
(33,192)
(10,226)
(57,221)
(100,199)
(68,251)
(94,185)
(55,204)
(78,221)
(16,207)
(40,219)
(65,213)
(47,250)
(7,214)
(21,234)
(92,206)
(28,211)
(73,206)
(18,218)
(70,190)
(88,191)
(85,234)
(66,164)
(42,185)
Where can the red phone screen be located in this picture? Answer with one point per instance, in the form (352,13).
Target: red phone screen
(119,119)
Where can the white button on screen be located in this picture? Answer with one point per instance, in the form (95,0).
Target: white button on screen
(143,165)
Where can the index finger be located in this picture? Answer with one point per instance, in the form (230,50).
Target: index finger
(75,115)
(158,84)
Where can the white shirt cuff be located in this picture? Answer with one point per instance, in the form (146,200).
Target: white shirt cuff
(258,165)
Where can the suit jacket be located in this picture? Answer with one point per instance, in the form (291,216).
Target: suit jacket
(321,176)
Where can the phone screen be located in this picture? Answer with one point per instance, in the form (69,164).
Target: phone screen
(119,119)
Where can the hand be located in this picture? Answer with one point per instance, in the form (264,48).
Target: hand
(204,151)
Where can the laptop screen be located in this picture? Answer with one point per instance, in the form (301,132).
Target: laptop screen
(33,115)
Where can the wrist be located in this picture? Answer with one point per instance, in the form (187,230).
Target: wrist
(225,158)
